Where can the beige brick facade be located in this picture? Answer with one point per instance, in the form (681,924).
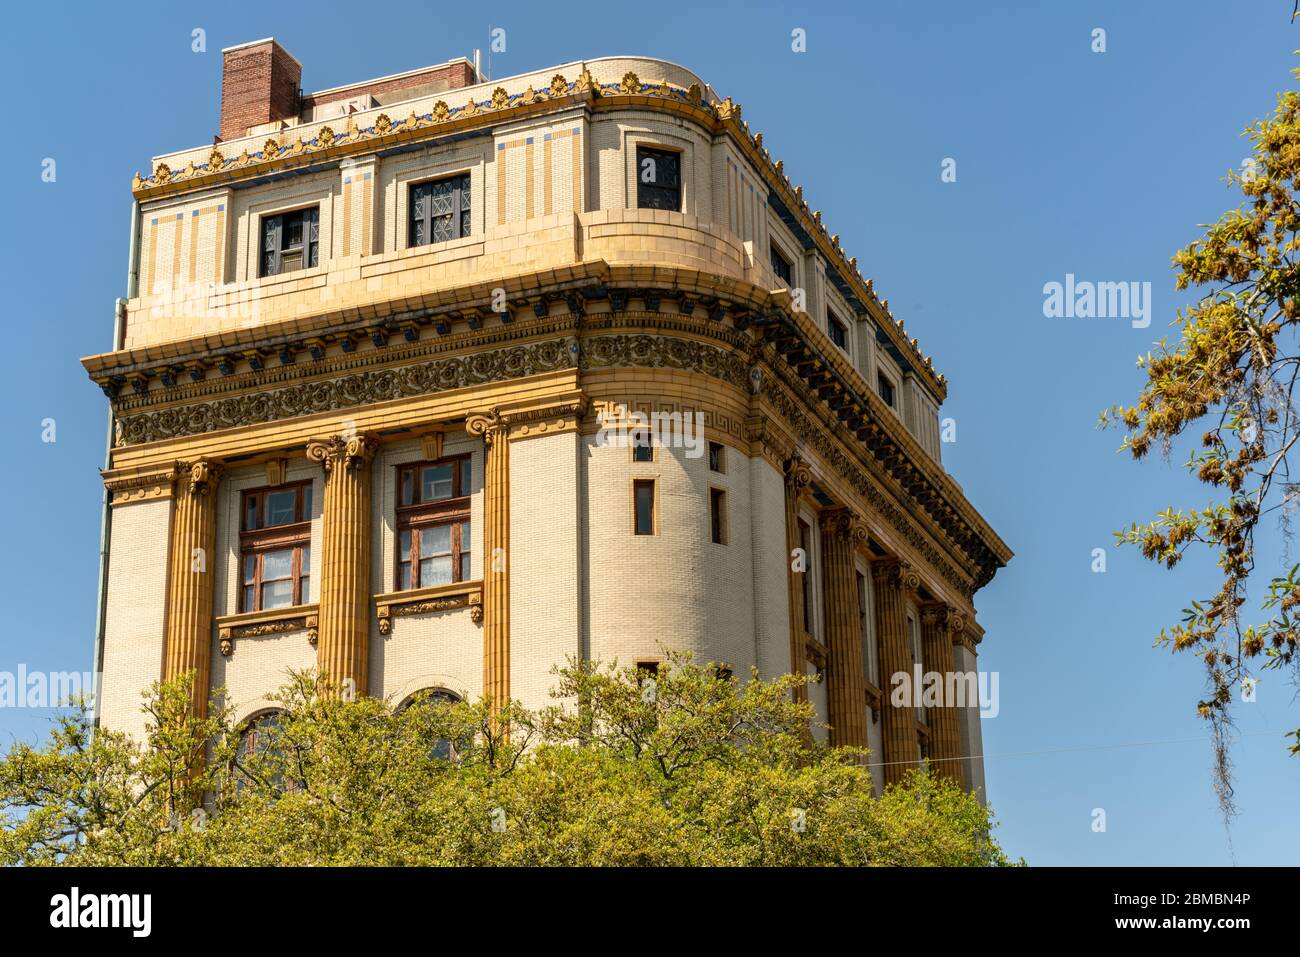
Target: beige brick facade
(561,300)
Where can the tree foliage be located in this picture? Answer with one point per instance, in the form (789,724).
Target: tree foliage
(1231,377)
(687,768)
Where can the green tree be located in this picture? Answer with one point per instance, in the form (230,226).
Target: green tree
(1231,377)
(688,767)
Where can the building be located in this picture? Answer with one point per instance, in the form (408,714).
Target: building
(431,382)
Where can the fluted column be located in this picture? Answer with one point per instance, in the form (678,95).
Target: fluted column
(940,625)
(343,638)
(188,645)
(797,478)
(496,545)
(892,580)
(846,690)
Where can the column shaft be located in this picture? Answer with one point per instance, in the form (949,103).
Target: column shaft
(797,477)
(842,533)
(343,642)
(188,645)
(939,624)
(893,579)
(496,564)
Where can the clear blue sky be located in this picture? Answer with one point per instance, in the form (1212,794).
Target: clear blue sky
(1100,165)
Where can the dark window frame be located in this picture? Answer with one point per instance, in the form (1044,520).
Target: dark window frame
(273,230)
(418,515)
(461,210)
(887,390)
(262,539)
(835,325)
(717,515)
(782,267)
(659,195)
(652,523)
(718,458)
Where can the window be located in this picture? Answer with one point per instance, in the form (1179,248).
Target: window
(642,448)
(290,241)
(886,388)
(646,670)
(439,210)
(442,749)
(433,534)
(782,267)
(914,648)
(275,547)
(643,498)
(718,516)
(658,179)
(866,627)
(717,463)
(260,756)
(805,543)
(839,334)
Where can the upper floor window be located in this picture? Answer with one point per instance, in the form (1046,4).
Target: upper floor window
(658,179)
(275,547)
(290,241)
(717,516)
(433,533)
(782,267)
(839,333)
(717,457)
(439,210)
(867,629)
(886,388)
(805,544)
(643,449)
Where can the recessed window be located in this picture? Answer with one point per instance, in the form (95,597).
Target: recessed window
(439,210)
(658,179)
(433,529)
(718,516)
(782,267)
(260,753)
(717,460)
(838,331)
(886,388)
(647,671)
(442,749)
(805,543)
(275,547)
(642,449)
(290,241)
(643,503)
(866,628)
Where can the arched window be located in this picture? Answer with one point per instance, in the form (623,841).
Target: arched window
(259,740)
(444,749)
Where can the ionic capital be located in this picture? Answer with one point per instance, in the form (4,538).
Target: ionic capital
(347,451)
(944,617)
(200,476)
(798,475)
(843,522)
(896,573)
(491,425)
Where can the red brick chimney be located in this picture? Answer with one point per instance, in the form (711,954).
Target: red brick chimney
(259,84)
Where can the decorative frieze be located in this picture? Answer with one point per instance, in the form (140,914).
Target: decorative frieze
(422,601)
(259,624)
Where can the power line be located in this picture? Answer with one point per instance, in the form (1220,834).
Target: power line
(1096,747)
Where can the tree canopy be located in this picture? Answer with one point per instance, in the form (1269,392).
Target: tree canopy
(1231,377)
(691,766)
